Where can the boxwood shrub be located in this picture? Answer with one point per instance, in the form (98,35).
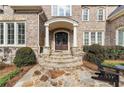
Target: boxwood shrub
(103,52)
(114,52)
(24,56)
(94,53)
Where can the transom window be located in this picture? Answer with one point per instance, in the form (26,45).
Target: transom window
(85,14)
(12,33)
(120,37)
(90,38)
(61,10)
(100,15)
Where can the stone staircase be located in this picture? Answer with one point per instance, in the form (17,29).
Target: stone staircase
(60,59)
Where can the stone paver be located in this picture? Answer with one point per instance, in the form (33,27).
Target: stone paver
(76,77)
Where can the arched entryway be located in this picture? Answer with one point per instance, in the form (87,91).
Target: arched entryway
(61,40)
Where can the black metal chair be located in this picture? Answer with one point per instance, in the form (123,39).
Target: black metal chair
(106,73)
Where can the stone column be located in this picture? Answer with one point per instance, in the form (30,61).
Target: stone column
(47,36)
(75,46)
(46,49)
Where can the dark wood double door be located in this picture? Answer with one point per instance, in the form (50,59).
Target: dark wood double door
(61,41)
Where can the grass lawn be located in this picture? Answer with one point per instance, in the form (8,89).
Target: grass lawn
(113,62)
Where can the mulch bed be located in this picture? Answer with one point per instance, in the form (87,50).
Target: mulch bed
(13,81)
(6,70)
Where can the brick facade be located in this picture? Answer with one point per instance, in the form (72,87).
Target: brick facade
(35,28)
(90,26)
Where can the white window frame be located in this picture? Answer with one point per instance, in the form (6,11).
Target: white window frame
(58,7)
(117,38)
(3,33)
(83,14)
(5,44)
(17,33)
(97,14)
(7,33)
(96,38)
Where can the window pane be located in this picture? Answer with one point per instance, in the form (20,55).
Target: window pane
(10,30)
(92,38)
(61,10)
(86,38)
(21,33)
(1,33)
(121,38)
(99,37)
(85,14)
(54,10)
(100,14)
(68,10)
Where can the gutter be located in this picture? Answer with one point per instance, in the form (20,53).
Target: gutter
(115,15)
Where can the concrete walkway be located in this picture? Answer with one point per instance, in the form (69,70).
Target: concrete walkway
(77,77)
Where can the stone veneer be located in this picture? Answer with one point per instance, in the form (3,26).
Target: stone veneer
(91,26)
(32,27)
(112,27)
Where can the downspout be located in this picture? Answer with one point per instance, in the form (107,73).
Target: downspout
(39,33)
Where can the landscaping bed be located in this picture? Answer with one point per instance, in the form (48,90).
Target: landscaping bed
(23,71)
(12,76)
(6,70)
(90,65)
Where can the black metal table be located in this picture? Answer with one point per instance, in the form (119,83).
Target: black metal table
(118,68)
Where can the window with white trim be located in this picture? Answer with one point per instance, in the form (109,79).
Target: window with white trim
(99,37)
(100,14)
(12,33)
(85,14)
(93,38)
(1,33)
(61,10)
(21,33)
(90,38)
(86,38)
(120,37)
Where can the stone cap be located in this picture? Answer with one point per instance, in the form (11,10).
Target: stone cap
(27,9)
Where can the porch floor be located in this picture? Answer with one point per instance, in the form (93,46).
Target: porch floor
(76,77)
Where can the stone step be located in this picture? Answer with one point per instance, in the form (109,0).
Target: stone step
(60,53)
(61,60)
(61,65)
(61,57)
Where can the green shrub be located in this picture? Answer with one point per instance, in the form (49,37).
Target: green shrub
(24,56)
(90,57)
(86,48)
(94,53)
(6,78)
(106,52)
(114,52)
